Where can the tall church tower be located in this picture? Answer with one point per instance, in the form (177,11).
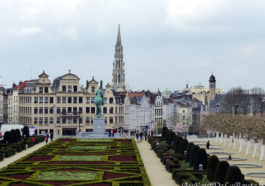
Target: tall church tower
(212,87)
(118,74)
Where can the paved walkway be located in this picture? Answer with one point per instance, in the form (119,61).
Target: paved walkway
(156,171)
(7,161)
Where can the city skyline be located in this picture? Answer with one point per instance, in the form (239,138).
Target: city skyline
(172,44)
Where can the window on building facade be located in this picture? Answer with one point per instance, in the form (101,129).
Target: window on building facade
(69,88)
(46,89)
(110,100)
(64,120)
(64,88)
(40,110)
(92,100)
(51,110)
(105,100)
(93,89)
(69,99)
(80,99)
(80,120)
(35,110)
(35,120)
(46,110)
(51,99)
(46,120)
(69,120)
(46,99)
(104,110)
(58,100)
(92,110)
(106,119)
(75,88)
(51,120)
(75,110)
(41,90)
(91,120)
(74,99)
(41,99)
(87,120)
(35,99)
(80,110)
(58,110)
(64,110)
(87,99)
(69,110)
(74,120)
(87,110)
(58,120)
(111,120)
(64,100)
(111,110)
(40,120)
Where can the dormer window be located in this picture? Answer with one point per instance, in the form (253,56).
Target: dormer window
(93,89)
(69,88)
(64,88)
(46,89)
(41,90)
(75,88)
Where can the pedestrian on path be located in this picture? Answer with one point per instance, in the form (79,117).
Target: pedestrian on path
(208,144)
(46,138)
(51,136)
(141,136)
(137,136)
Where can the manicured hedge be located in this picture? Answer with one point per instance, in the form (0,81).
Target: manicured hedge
(220,171)
(211,168)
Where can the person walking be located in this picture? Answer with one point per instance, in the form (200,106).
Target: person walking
(46,138)
(137,136)
(51,136)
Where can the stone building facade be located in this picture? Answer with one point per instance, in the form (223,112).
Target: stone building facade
(63,107)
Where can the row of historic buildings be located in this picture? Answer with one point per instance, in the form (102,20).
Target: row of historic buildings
(63,106)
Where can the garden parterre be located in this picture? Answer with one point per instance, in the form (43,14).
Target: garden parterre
(69,161)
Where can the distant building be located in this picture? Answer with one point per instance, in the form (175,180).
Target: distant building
(3,105)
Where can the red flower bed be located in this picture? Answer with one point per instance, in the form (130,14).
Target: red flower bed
(67,140)
(75,162)
(39,158)
(18,176)
(111,175)
(122,158)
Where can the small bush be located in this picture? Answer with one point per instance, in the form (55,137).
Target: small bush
(164,131)
(182,146)
(220,171)
(212,164)
(189,148)
(25,131)
(200,158)
(194,150)
(233,175)
(7,151)
(185,178)
(176,142)
(7,137)
(251,182)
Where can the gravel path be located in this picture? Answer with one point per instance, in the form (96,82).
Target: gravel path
(156,171)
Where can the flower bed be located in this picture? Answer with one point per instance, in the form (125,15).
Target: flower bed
(95,162)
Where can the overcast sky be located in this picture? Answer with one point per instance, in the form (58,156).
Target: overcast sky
(167,43)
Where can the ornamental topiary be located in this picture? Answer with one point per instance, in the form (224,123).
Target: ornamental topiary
(25,131)
(164,131)
(7,137)
(176,142)
(170,137)
(220,171)
(211,167)
(189,148)
(194,150)
(200,158)
(233,175)
(182,146)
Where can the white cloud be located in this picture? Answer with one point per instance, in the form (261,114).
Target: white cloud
(24,31)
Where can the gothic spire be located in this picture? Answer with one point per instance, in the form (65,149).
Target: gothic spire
(118,43)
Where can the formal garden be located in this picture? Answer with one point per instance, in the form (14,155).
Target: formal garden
(190,164)
(14,141)
(70,161)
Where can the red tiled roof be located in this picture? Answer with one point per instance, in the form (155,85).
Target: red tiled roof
(21,86)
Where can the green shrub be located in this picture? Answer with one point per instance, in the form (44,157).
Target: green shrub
(176,142)
(25,131)
(233,175)
(1,157)
(200,158)
(7,137)
(170,165)
(170,137)
(182,146)
(220,171)
(189,148)
(164,131)
(185,178)
(251,182)
(211,167)
(17,136)
(8,151)
(194,150)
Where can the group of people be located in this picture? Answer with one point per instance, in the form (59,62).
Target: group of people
(139,136)
(47,137)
